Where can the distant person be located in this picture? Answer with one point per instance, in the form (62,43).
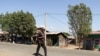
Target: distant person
(41,41)
(12,38)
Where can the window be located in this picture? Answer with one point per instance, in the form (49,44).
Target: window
(97,42)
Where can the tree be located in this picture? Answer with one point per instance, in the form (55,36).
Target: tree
(23,23)
(80,20)
(5,21)
(19,23)
(1,18)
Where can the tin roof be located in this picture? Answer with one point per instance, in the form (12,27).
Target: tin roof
(95,32)
(3,32)
(71,37)
(53,32)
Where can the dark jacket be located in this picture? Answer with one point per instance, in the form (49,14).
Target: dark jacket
(40,37)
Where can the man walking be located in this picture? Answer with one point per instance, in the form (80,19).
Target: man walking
(41,41)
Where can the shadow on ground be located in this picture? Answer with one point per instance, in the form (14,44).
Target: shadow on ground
(37,54)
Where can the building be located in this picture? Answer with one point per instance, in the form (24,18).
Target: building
(3,36)
(56,39)
(92,41)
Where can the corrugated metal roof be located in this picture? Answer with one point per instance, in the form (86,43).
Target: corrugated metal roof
(95,32)
(71,37)
(3,32)
(53,32)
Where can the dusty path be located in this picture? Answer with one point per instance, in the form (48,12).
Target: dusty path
(8,49)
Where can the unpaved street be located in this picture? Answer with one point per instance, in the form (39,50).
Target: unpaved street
(9,49)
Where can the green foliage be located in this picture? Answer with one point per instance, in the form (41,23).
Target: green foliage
(20,22)
(80,19)
(1,17)
(66,34)
(5,21)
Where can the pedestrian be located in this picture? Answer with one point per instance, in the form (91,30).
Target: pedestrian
(41,41)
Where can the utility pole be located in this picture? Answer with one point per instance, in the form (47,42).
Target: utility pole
(45,22)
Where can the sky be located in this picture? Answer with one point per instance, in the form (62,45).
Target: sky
(56,18)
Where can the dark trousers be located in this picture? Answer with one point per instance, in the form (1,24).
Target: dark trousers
(41,44)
